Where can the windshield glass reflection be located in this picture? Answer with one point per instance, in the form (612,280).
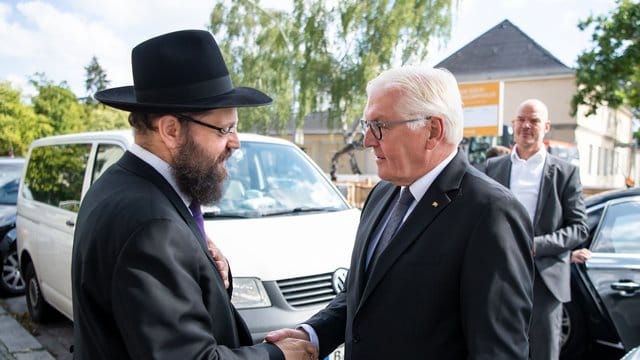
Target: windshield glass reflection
(272,179)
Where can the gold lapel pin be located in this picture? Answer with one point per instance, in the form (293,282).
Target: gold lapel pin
(434,204)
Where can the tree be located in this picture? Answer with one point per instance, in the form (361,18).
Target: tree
(96,80)
(19,124)
(319,57)
(609,73)
(58,105)
(106,118)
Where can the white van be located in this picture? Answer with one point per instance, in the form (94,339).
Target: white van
(286,230)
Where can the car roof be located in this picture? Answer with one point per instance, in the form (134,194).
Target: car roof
(610,195)
(11,160)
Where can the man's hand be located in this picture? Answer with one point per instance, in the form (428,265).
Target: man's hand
(580,256)
(297,349)
(281,334)
(221,262)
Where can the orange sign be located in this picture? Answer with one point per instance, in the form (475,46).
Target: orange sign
(481,105)
(481,94)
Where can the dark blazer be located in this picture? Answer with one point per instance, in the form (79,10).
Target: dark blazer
(559,223)
(454,283)
(144,284)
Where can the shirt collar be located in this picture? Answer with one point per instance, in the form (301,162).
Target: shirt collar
(420,186)
(160,166)
(537,158)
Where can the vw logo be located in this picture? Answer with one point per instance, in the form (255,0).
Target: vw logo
(338,280)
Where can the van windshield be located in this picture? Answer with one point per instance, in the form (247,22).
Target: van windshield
(273,179)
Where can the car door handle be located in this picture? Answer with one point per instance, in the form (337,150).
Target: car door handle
(625,287)
(70,223)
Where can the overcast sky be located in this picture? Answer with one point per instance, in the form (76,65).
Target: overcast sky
(59,37)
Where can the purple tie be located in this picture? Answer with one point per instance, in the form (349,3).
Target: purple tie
(197,216)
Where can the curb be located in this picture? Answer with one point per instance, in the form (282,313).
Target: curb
(16,343)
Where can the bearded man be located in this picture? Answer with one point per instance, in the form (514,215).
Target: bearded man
(145,285)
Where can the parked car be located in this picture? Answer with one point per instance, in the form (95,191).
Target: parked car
(632,355)
(11,282)
(605,306)
(285,228)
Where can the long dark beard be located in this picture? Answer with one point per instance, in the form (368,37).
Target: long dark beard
(198,175)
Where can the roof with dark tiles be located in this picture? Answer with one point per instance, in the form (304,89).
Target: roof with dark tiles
(503,52)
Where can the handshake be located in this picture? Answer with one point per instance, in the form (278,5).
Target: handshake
(294,343)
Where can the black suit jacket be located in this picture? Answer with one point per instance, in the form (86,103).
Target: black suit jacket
(454,283)
(559,223)
(144,285)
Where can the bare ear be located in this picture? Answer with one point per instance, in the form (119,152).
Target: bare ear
(435,126)
(170,130)
(547,126)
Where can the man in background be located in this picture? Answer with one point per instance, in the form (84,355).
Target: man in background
(551,191)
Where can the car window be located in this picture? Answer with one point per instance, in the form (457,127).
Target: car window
(106,155)
(55,175)
(9,181)
(267,179)
(618,232)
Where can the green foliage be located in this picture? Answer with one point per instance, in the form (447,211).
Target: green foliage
(54,110)
(55,174)
(19,124)
(319,57)
(106,118)
(58,105)
(609,73)
(96,80)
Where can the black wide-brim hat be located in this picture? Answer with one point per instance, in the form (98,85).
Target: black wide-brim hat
(182,71)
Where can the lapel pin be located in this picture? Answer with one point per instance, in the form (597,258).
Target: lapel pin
(434,204)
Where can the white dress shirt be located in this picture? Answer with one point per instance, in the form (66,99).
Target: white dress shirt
(526,177)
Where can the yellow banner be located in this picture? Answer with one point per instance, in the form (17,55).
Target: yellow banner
(480,94)
(481,131)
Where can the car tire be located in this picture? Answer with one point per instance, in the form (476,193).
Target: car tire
(574,332)
(39,310)
(11,282)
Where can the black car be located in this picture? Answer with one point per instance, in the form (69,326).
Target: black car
(11,282)
(603,319)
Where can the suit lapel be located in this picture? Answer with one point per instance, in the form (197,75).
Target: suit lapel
(135,165)
(379,206)
(503,173)
(435,200)
(545,187)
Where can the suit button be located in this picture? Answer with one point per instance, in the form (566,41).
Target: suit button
(356,339)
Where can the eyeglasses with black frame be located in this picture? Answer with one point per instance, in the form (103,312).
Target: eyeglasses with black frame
(376,126)
(223,131)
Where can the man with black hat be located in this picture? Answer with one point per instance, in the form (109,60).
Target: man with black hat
(145,285)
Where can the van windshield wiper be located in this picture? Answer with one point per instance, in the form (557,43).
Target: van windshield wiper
(299,210)
(226,215)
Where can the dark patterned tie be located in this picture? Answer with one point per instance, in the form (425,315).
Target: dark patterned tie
(395,219)
(196,212)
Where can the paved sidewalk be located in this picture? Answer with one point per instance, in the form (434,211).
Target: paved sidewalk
(16,343)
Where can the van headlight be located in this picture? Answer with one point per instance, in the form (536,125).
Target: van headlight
(249,293)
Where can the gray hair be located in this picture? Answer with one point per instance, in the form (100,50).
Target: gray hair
(426,92)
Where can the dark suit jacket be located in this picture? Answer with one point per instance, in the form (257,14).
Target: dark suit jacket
(144,286)
(559,223)
(454,283)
